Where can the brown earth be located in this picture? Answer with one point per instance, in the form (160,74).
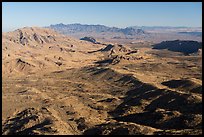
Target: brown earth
(53,84)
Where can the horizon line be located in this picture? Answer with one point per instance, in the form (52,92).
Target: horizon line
(127,26)
(15,28)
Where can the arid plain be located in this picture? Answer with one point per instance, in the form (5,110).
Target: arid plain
(56,84)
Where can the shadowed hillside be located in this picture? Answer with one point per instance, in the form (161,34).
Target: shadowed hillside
(186,47)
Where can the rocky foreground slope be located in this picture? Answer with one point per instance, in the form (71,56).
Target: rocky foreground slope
(54,84)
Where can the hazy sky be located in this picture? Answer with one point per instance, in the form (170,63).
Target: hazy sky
(118,14)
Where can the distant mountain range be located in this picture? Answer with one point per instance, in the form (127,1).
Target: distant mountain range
(128,34)
(192,33)
(83,28)
(164,27)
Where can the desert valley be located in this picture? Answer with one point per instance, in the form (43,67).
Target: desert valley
(113,82)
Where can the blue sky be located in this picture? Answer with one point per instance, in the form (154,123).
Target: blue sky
(118,14)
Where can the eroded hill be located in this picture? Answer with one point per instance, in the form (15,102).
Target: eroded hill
(54,84)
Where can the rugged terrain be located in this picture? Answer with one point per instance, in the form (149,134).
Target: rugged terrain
(54,84)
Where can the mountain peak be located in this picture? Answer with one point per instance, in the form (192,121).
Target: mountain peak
(28,35)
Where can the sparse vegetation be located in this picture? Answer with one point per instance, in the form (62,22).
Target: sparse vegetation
(73,87)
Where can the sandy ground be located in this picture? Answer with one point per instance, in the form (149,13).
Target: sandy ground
(56,85)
